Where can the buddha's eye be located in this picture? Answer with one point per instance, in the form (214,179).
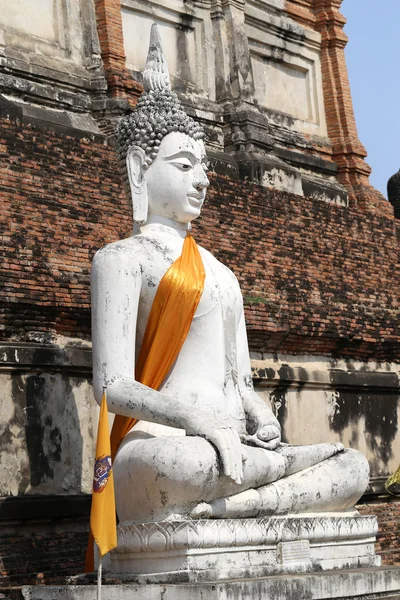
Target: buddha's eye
(184,164)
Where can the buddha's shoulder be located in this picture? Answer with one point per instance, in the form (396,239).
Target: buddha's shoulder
(218,265)
(119,252)
(134,250)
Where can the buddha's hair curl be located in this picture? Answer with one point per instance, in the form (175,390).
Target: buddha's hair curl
(156,114)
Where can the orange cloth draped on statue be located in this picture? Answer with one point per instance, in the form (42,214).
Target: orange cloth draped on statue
(174,305)
(171,315)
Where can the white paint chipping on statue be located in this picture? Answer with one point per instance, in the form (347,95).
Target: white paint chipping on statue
(206,445)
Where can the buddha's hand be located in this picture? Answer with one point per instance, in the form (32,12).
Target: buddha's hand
(263,429)
(227,442)
(268,436)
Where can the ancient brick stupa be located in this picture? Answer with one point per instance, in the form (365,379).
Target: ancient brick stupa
(393,189)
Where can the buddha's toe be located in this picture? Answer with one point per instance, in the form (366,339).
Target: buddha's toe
(339,447)
(201,511)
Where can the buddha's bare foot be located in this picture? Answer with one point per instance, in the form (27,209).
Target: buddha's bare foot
(202,511)
(245,504)
(299,458)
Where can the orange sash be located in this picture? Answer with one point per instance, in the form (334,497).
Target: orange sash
(174,305)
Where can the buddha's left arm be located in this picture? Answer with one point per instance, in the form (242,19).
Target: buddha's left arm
(262,426)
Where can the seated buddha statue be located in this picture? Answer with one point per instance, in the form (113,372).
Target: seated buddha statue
(203,443)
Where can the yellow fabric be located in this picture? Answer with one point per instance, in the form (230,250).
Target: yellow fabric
(175,303)
(102,515)
(392,484)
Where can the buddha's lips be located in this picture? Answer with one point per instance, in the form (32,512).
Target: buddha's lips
(196,199)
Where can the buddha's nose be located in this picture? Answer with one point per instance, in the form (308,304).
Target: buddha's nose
(202,180)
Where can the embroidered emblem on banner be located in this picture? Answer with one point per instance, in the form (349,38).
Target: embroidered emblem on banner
(102,470)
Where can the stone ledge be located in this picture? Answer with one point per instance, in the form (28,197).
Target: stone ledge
(363,584)
(28,356)
(374,381)
(37,507)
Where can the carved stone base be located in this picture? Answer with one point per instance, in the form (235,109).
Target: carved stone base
(219,549)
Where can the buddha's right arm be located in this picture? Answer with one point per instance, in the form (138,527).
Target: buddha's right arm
(128,397)
(116,282)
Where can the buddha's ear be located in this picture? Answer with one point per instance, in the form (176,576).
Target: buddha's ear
(135,160)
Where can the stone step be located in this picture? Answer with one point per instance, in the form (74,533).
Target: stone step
(381,583)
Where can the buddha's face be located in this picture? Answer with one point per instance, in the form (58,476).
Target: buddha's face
(176,180)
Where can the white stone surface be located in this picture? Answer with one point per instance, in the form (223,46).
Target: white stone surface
(210,401)
(222,549)
(286,65)
(282,87)
(280,180)
(51,34)
(320,398)
(187,39)
(36,17)
(47,425)
(363,584)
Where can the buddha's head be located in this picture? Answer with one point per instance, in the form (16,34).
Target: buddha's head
(161,148)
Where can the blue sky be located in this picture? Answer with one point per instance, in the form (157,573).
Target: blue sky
(373,61)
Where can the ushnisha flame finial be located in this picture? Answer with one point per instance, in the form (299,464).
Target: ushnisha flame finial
(155,74)
(157,113)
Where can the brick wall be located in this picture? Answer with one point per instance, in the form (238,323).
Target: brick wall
(41,558)
(302,11)
(60,201)
(317,278)
(109,27)
(43,539)
(387,542)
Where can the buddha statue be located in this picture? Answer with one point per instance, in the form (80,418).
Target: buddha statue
(204,444)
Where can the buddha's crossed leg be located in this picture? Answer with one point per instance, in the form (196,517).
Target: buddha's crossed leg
(161,478)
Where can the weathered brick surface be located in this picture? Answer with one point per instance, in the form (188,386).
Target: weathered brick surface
(109,27)
(60,200)
(316,277)
(37,559)
(302,11)
(388,538)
